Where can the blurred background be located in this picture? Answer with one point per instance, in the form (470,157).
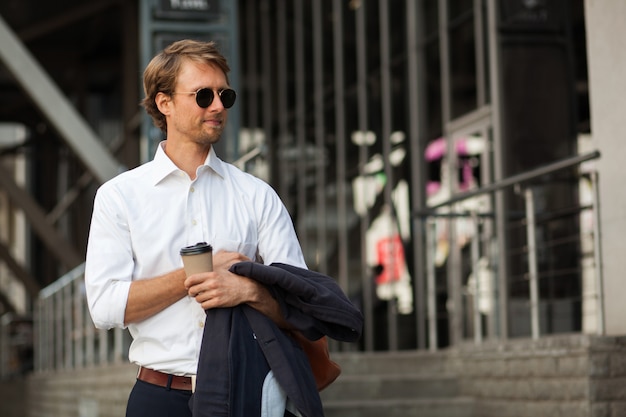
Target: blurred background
(437,158)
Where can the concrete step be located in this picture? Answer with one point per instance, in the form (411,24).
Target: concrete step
(390,384)
(403,362)
(451,407)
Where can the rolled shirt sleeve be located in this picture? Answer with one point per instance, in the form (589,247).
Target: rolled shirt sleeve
(109,265)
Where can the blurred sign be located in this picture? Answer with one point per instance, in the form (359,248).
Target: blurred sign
(531,15)
(187,9)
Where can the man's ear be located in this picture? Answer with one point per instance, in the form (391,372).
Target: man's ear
(162,102)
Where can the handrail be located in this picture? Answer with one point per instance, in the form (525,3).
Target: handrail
(513,180)
(531,248)
(65,335)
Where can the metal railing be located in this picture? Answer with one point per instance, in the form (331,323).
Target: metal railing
(497,292)
(65,337)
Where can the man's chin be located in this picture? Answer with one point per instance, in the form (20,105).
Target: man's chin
(210,139)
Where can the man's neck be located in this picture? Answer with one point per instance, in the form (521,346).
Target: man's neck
(187,157)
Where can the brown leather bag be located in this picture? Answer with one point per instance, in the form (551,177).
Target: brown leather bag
(325,370)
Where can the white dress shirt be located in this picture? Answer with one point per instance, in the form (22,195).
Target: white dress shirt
(142,218)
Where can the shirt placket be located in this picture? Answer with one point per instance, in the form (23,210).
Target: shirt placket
(195,217)
(195,225)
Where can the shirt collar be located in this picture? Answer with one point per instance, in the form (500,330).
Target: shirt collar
(163,165)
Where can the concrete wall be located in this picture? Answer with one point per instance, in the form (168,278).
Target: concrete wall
(606,43)
(569,376)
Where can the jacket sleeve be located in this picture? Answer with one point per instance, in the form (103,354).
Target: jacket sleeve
(310,301)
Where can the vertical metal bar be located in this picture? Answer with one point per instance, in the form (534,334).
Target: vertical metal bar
(320,126)
(300,73)
(431,283)
(79,323)
(479,45)
(454,305)
(59,334)
(42,342)
(532,261)
(4,346)
(51,347)
(251,33)
(444,56)
(103,346)
(597,251)
(488,242)
(47,340)
(415,79)
(90,343)
(69,325)
(38,336)
(118,345)
(478,324)
(340,135)
(282,101)
(502,289)
(234,116)
(361,58)
(385,81)
(146,143)
(268,99)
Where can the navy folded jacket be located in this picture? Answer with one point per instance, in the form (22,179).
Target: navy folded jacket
(240,345)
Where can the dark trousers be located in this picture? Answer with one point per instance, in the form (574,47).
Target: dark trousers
(148,400)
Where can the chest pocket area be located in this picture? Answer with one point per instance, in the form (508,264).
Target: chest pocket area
(248,249)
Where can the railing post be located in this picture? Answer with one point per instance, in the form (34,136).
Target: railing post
(532,261)
(90,341)
(37,335)
(103,346)
(68,327)
(478,325)
(431,287)
(118,345)
(57,336)
(46,343)
(597,252)
(78,330)
(4,345)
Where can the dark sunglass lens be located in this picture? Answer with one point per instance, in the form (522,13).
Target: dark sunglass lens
(228,97)
(204,97)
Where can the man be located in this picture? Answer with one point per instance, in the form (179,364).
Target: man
(143,217)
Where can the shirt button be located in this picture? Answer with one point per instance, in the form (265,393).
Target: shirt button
(192,189)
(201,324)
(194,222)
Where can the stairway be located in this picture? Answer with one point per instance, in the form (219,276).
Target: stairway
(395,384)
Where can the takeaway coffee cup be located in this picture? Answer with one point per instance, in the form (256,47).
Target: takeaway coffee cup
(197,258)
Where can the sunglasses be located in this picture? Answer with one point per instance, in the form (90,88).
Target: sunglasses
(205,96)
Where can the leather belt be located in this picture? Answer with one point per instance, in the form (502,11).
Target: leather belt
(164,380)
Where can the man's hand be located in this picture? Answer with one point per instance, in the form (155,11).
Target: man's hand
(222,288)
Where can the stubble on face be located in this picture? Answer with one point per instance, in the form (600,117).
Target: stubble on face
(203,127)
(211,129)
